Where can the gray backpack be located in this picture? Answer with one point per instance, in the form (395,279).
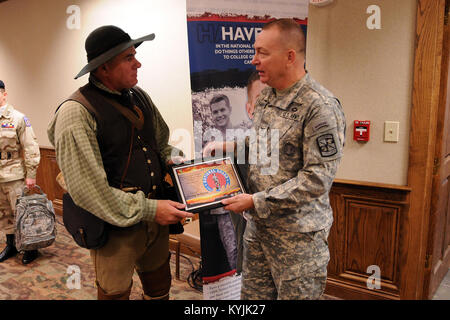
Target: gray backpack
(34,221)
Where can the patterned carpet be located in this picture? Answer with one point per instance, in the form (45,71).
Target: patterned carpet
(50,278)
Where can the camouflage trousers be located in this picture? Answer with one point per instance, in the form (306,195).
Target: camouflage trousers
(283,265)
(9,192)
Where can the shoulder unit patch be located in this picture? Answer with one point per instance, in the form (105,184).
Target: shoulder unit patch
(327,145)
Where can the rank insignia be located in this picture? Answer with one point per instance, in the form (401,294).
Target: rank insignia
(327,145)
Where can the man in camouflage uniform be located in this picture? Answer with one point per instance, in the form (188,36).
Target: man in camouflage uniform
(285,243)
(19,161)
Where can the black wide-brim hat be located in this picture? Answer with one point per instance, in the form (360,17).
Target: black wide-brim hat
(105,43)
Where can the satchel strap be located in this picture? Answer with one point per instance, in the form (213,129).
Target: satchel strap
(137,121)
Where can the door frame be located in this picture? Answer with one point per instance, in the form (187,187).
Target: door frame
(432,276)
(424,112)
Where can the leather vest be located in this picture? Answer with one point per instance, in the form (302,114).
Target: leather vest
(116,137)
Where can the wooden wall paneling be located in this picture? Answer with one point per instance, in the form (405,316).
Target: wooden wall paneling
(425,101)
(334,245)
(46,178)
(371,240)
(366,231)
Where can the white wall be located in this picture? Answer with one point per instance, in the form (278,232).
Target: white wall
(39,55)
(371,73)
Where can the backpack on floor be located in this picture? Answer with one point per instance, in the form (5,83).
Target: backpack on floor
(34,221)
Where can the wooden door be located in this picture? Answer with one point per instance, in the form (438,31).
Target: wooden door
(438,251)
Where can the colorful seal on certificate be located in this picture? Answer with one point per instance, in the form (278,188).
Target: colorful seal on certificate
(215,180)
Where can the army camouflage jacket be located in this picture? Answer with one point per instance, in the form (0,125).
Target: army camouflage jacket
(291,191)
(18,145)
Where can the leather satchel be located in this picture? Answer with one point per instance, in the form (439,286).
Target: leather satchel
(87,230)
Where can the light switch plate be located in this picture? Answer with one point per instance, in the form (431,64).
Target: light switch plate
(391,129)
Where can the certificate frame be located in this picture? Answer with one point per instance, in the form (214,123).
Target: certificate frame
(202,184)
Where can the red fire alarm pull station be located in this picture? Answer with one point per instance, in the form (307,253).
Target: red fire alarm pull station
(361,130)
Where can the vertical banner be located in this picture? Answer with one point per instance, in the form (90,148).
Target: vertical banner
(224,86)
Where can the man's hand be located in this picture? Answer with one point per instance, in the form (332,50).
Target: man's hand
(239,203)
(167,212)
(30,183)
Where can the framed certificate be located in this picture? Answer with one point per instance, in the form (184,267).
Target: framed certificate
(202,185)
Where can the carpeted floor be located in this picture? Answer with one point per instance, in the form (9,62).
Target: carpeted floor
(51,276)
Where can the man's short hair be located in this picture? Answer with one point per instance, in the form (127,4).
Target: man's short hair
(291,31)
(220,97)
(2,86)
